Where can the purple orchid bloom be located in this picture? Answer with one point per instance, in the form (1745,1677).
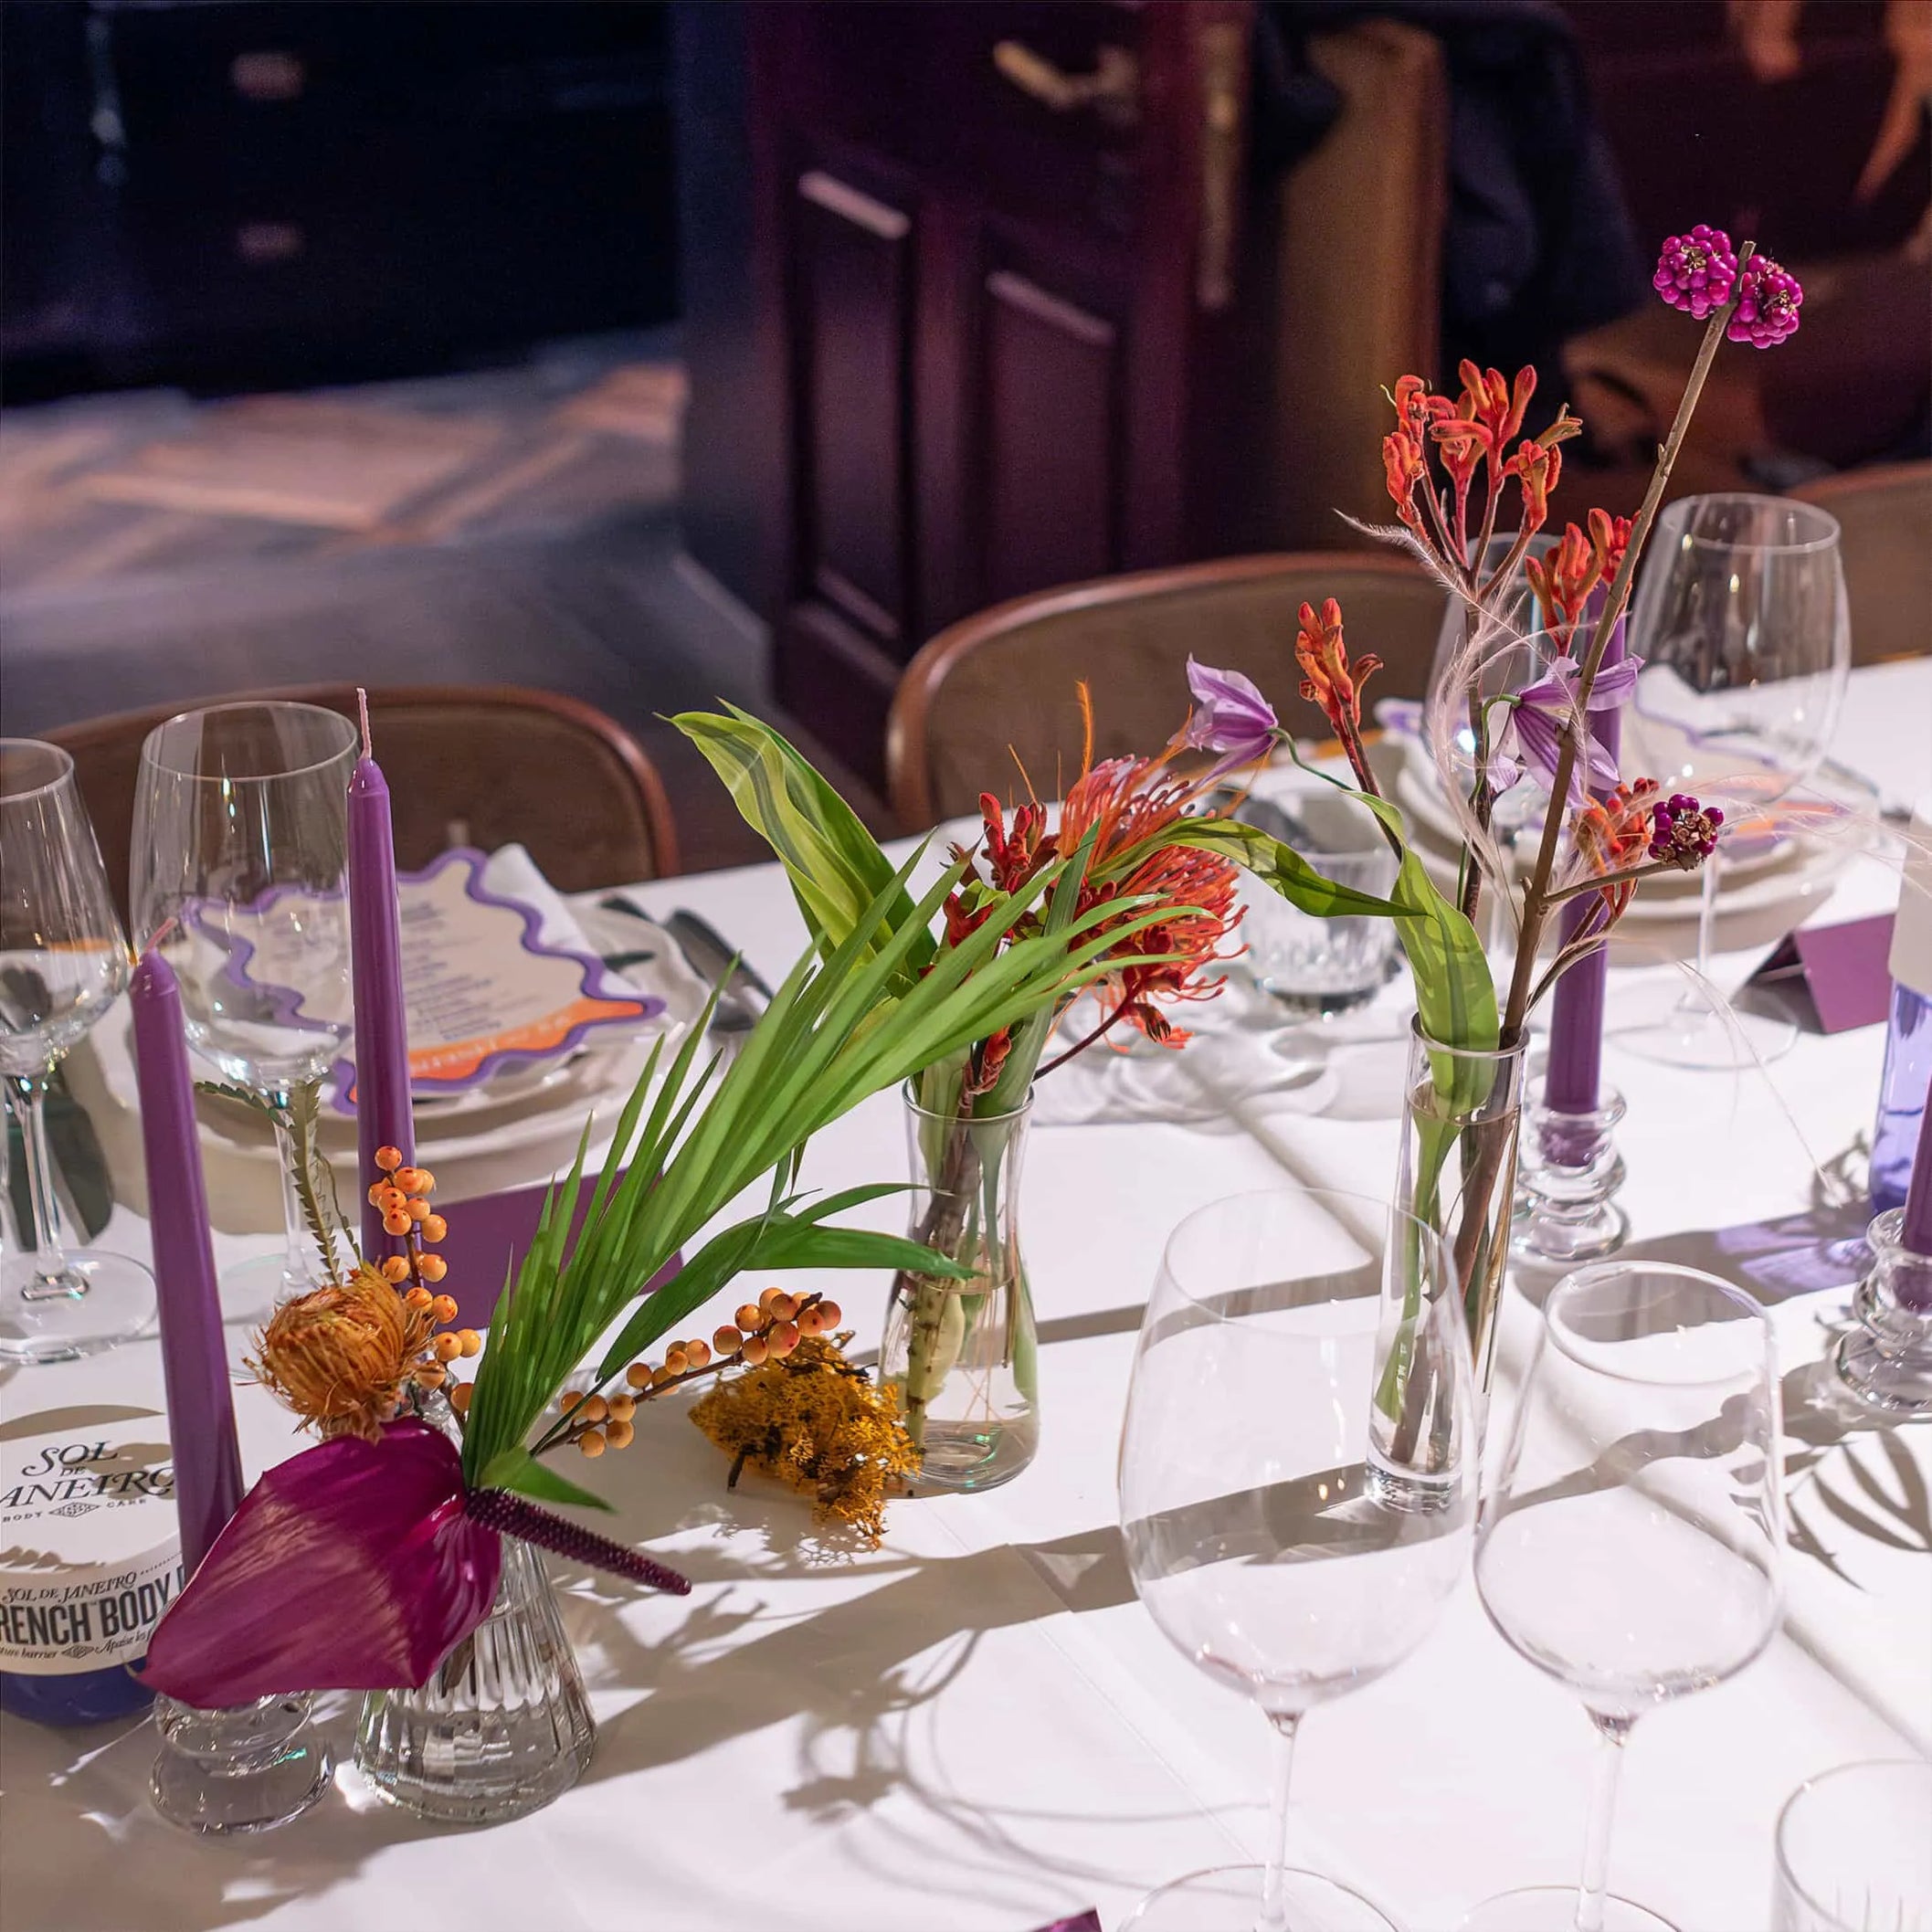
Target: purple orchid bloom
(1530,740)
(1229,716)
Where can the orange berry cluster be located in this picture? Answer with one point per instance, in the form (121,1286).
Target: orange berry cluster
(403,1195)
(766,1330)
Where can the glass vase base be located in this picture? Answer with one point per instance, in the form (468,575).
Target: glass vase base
(1553,1908)
(1887,1360)
(1893,1383)
(962,1460)
(502,1728)
(223,1773)
(1228,1899)
(1543,1234)
(107,1299)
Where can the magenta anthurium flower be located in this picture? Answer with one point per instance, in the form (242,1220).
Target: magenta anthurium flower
(1530,739)
(351,1566)
(1229,716)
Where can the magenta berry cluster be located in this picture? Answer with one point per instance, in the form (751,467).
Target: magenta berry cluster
(1767,302)
(1684,832)
(1695,271)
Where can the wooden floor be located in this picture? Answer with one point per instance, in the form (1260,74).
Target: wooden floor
(505,526)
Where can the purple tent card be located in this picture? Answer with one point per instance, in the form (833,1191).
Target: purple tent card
(1838,972)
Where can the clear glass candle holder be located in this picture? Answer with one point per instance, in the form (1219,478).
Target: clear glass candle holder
(1855,1851)
(1887,1360)
(1567,1175)
(245,1768)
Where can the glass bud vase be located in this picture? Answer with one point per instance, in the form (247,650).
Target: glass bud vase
(1461,1120)
(960,1353)
(501,1728)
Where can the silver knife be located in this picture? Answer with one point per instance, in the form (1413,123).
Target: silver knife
(744,995)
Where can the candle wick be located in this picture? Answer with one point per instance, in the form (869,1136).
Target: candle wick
(361,706)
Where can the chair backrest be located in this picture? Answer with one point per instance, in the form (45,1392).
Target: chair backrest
(1007,677)
(1885,515)
(483,766)
(1358,296)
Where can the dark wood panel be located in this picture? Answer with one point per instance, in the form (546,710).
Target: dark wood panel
(1052,457)
(835,681)
(855,295)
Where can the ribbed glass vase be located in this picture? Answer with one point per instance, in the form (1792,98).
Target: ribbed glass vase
(502,1728)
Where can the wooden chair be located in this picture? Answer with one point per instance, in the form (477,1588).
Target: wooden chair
(1006,678)
(1885,515)
(482,765)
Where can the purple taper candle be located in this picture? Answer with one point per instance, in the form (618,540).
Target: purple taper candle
(1571,1077)
(382,1117)
(201,1406)
(1916,1232)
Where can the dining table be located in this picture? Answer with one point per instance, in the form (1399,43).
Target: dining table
(975,1727)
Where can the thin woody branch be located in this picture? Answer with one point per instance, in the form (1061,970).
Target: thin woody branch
(1536,899)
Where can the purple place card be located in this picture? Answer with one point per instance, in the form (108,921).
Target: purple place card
(1087,1921)
(486,1243)
(1841,971)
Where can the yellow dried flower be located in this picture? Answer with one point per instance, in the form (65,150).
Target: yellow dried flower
(820,1426)
(339,1356)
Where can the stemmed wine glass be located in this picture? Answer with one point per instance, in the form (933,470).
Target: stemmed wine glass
(63,963)
(1741,621)
(1267,1526)
(240,875)
(1631,1547)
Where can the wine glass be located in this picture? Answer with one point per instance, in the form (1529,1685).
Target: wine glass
(1633,1543)
(63,963)
(1268,1528)
(1742,624)
(240,876)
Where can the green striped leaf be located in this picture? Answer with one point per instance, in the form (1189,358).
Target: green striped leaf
(834,864)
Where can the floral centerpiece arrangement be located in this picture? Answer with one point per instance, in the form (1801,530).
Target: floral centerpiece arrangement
(366,1561)
(361,1561)
(1140,860)
(1455,468)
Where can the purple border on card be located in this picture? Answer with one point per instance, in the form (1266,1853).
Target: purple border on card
(284,1002)
(595,985)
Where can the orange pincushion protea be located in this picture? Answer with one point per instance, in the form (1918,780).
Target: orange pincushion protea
(1133,801)
(1127,805)
(340,1355)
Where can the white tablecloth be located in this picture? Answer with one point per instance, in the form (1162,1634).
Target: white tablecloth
(978,1727)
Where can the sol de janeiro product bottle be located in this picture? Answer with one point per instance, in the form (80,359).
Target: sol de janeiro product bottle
(90,1558)
(1908,1038)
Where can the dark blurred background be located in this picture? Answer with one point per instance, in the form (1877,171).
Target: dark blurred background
(655,353)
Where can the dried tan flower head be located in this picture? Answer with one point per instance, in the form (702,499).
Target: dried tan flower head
(339,1356)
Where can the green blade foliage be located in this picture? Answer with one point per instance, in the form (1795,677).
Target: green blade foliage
(834,864)
(1455,995)
(843,1025)
(1279,867)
